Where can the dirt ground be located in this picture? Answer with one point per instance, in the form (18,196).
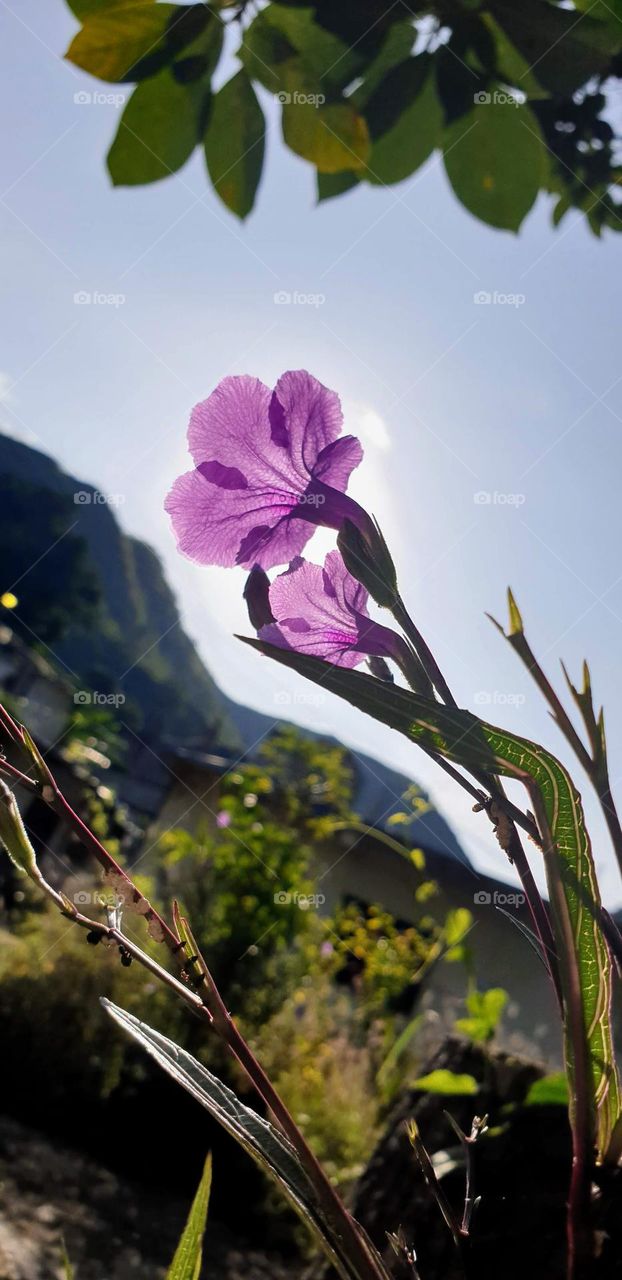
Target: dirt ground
(112,1230)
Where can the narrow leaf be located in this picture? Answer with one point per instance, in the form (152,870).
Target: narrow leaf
(569,863)
(186,1264)
(266,1146)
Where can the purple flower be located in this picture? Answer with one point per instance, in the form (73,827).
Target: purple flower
(323,612)
(268,468)
(223,818)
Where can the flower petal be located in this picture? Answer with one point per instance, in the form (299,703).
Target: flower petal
(232,428)
(310,413)
(337,461)
(211,524)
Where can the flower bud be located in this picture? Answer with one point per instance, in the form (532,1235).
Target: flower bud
(257,596)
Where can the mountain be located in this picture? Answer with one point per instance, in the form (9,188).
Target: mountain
(135,645)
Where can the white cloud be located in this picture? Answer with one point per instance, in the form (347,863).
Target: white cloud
(363,421)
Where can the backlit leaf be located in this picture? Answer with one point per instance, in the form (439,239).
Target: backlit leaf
(335,184)
(447,1082)
(269,1148)
(234,144)
(131,41)
(569,864)
(495,160)
(561,49)
(550,1090)
(332,135)
(157,133)
(186,1264)
(405,121)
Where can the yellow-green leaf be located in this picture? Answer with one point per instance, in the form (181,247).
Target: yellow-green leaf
(448,1082)
(131,41)
(332,135)
(186,1264)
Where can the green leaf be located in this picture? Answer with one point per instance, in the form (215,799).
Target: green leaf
(447,1082)
(569,864)
(131,41)
(395,48)
(562,49)
(510,66)
(604,10)
(549,1090)
(335,184)
(278,33)
(235,143)
(265,1144)
(405,121)
(485,1008)
(495,160)
(84,8)
(157,133)
(458,923)
(186,1264)
(332,135)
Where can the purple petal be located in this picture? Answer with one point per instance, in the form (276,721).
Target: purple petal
(337,461)
(232,427)
(224,477)
(351,596)
(313,417)
(278,425)
(211,524)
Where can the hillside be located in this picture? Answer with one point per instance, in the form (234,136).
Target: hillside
(137,645)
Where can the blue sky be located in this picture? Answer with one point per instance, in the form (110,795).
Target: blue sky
(453,399)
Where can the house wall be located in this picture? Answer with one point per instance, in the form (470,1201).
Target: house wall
(373,873)
(364,869)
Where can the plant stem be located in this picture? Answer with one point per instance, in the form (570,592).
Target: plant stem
(494,786)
